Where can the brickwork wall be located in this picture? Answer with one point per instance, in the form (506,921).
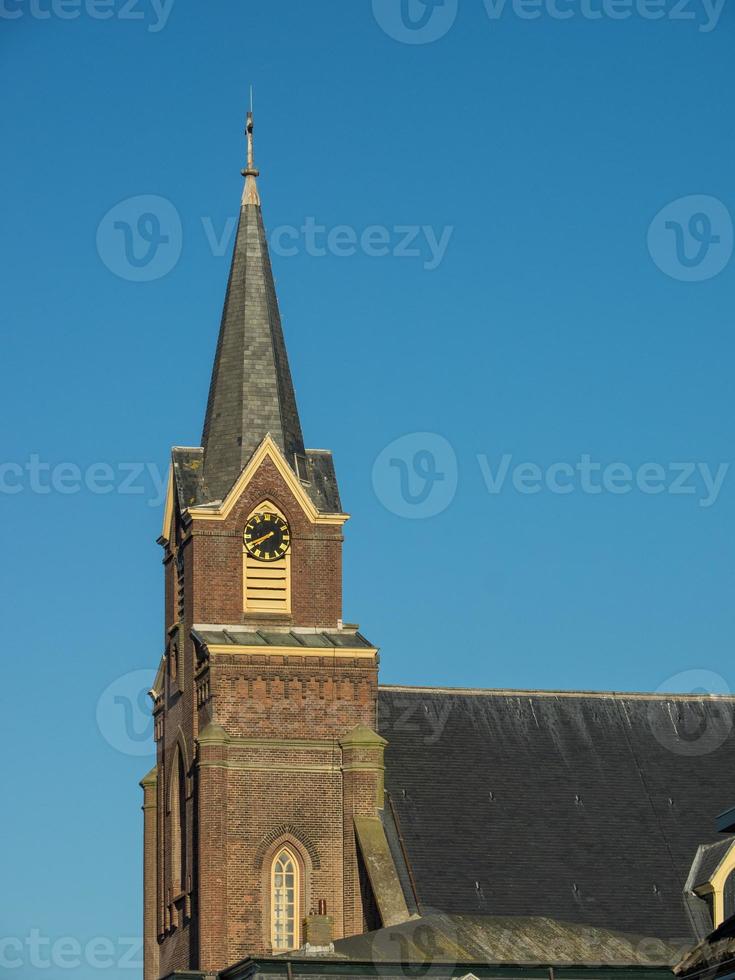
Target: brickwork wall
(177,927)
(291,697)
(316,561)
(303,793)
(268,766)
(150,875)
(213,832)
(363,788)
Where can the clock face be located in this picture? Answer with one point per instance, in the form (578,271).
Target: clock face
(267,537)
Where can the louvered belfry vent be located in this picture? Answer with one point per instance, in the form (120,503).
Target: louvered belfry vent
(267,585)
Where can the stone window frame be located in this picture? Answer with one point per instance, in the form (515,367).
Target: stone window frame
(285,863)
(304,873)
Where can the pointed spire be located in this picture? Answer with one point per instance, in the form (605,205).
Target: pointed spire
(251,392)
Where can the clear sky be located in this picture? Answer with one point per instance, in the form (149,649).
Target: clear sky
(502,235)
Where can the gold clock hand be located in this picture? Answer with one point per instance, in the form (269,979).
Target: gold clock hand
(261,540)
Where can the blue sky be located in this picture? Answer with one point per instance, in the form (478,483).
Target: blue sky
(562,187)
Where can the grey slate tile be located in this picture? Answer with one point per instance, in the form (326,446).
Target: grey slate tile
(583,808)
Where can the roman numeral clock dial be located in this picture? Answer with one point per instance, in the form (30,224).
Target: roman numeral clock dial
(267,537)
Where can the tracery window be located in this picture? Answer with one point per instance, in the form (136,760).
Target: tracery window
(285,901)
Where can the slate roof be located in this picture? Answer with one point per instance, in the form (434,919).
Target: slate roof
(192,491)
(323,640)
(579,807)
(518,941)
(709,858)
(726,821)
(321,483)
(188,464)
(251,392)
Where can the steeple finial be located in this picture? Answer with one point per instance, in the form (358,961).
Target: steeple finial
(250,193)
(251,393)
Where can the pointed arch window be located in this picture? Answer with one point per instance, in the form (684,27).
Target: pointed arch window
(177,825)
(267,586)
(285,901)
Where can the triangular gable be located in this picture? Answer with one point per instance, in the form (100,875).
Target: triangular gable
(268,449)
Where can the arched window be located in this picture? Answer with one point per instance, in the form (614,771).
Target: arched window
(173,662)
(728,896)
(177,824)
(285,901)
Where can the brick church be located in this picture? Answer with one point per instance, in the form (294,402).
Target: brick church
(303,819)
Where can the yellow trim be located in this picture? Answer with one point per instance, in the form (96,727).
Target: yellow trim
(707,890)
(268,767)
(267,448)
(292,651)
(168,510)
(531,693)
(716,885)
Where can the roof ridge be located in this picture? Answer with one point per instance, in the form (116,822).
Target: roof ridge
(531,692)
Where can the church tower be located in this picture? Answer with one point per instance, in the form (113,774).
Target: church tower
(265,701)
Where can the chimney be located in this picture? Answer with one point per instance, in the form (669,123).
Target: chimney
(318,932)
